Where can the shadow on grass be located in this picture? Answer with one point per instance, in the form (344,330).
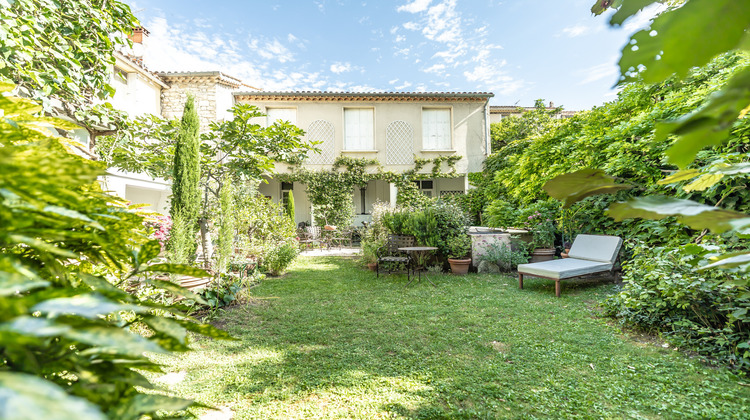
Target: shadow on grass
(332,340)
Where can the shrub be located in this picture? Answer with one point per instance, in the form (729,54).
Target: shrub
(280,257)
(504,256)
(261,224)
(697,310)
(69,255)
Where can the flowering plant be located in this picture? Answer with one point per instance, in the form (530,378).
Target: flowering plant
(159,227)
(542,230)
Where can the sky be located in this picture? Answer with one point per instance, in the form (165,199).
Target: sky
(520,50)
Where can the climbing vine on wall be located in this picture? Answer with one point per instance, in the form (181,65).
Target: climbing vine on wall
(330,191)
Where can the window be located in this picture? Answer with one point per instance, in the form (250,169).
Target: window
(358,129)
(281,114)
(425,187)
(286,190)
(436,129)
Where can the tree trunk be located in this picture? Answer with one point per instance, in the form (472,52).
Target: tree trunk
(206,245)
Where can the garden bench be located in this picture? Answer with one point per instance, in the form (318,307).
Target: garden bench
(390,255)
(589,254)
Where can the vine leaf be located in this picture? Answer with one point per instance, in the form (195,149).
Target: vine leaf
(691,213)
(575,186)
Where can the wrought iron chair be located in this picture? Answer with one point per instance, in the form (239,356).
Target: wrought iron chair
(311,236)
(389,255)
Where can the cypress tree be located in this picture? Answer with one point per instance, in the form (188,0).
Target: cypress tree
(290,206)
(186,193)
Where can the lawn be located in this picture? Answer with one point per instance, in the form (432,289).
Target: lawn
(329,340)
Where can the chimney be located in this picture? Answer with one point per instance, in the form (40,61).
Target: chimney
(138,35)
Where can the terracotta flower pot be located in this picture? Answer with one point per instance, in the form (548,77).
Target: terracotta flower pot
(459,266)
(372,266)
(542,254)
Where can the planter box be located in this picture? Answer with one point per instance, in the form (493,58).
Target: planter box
(481,240)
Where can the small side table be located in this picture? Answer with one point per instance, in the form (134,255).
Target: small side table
(417,254)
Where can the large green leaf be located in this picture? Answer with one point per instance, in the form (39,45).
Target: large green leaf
(575,186)
(12,283)
(90,306)
(739,260)
(148,252)
(24,397)
(177,289)
(167,326)
(708,125)
(185,269)
(628,9)
(207,330)
(695,215)
(113,341)
(684,38)
(37,327)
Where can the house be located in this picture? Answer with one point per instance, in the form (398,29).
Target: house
(137,92)
(391,127)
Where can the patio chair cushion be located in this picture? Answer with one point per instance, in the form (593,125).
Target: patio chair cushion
(600,248)
(564,268)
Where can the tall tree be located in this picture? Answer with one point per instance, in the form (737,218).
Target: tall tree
(186,192)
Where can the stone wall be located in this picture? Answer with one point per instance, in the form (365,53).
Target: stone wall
(204,90)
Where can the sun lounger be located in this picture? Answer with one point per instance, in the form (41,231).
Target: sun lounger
(590,254)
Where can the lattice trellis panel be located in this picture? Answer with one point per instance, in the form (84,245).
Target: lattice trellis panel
(321,131)
(399,143)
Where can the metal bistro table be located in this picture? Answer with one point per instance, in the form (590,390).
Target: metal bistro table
(417,255)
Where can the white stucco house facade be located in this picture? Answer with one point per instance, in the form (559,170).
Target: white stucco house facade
(390,127)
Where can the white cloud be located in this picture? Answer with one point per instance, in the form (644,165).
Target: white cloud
(274,50)
(400,38)
(608,70)
(412,26)
(403,86)
(393,82)
(179,48)
(435,68)
(576,30)
(414,7)
(339,68)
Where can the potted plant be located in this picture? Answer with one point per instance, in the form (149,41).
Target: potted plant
(370,244)
(459,248)
(543,237)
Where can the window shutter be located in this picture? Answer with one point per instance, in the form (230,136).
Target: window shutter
(436,129)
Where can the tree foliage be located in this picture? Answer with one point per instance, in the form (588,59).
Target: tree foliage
(69,257)
(60,54)
(186,191)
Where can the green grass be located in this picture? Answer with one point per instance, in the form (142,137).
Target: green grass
(329,340)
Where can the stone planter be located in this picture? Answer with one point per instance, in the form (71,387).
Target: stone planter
(459,266)
(542,254)
(482,240)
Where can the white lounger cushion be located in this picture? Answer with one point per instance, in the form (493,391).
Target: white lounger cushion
(600,248)
(563,269)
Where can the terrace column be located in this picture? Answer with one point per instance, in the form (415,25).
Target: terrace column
(393,193)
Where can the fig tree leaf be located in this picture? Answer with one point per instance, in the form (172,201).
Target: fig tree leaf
(691,213)
(575,186)
(683,38)
(207,330)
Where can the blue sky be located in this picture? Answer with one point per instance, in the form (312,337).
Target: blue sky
(520,50)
